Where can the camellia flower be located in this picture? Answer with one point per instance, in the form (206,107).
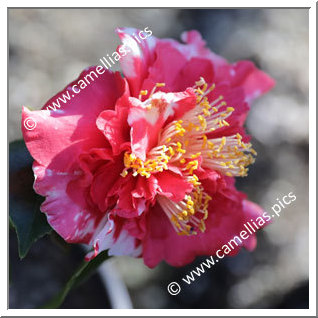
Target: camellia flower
(144,164)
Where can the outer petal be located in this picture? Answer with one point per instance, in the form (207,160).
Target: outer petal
(226,219)
(56,143)
(60,136)
(166,68)
(164,60)
(254,210)
(138,59)
(74,222)
(112,236)
(192,71)
(198,48)
(257,84)
(244,74)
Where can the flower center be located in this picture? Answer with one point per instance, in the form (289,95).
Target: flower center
(184,143)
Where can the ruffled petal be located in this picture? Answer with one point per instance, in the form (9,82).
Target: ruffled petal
(225,220)
(163,72)
(146,121)
(172,186)
(197,48)
(75,222)
(139,57)
(245,75)
(114,238)
(113,124)
(61,136)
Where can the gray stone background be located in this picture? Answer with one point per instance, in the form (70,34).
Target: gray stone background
(48,48)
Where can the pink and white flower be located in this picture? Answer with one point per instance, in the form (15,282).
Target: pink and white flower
(144,164)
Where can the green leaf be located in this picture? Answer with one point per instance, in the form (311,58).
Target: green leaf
(81,274)
(24,204)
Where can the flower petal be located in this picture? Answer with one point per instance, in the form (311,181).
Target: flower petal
(60,136)
(73,221)
(244,74)
(197,48)
(118,241)
(173,186)
(138,59)
(225,220)
(146,122)
(114,125)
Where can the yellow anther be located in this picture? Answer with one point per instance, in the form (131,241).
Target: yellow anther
(179,147)
(210,89)
(190,127)
(230,109)
(196,155)
(206,112)
(198,90)
(142,93)
(155,87)
(192,165)
(205,138)
(202,121)
(211,145)
(194,180)
(124,173)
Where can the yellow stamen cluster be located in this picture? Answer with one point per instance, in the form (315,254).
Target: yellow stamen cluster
(188,214)
(158,158)
(145,168)
(229,155)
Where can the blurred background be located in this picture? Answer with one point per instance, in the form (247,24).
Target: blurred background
(49,48)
